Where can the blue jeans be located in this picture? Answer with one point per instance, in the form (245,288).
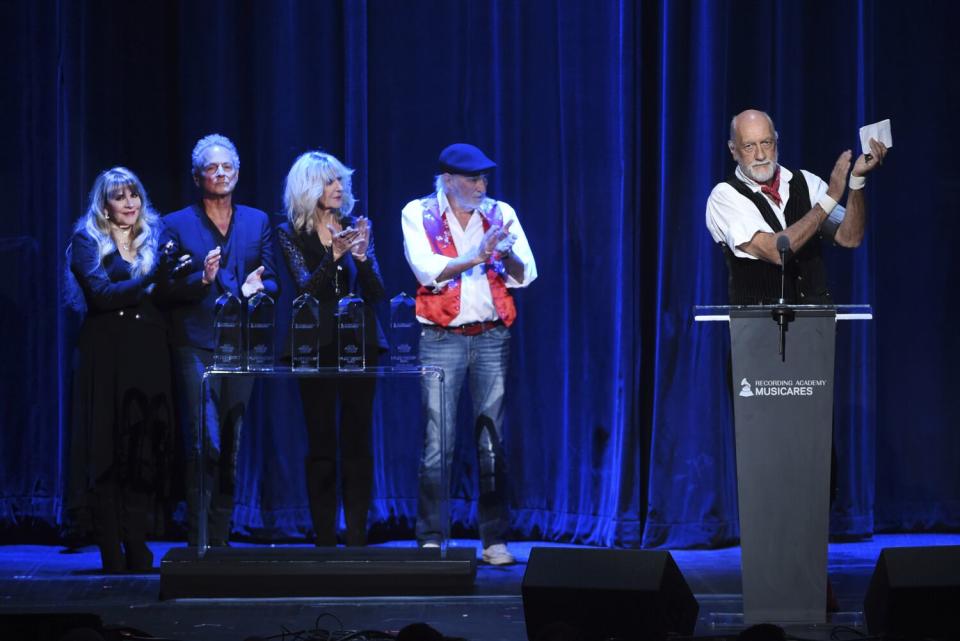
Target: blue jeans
(483,359)
(224,406)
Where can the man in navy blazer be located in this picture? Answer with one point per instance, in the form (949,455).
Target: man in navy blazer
(223,247)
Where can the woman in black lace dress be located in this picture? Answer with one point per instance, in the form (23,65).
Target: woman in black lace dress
(330,254)
(122,427)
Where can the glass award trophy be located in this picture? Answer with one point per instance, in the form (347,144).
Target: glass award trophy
(228,333)
(351,354)
(404,331)
(305,334)
(260,321)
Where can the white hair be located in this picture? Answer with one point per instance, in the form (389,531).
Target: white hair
(212,140)
(310,173)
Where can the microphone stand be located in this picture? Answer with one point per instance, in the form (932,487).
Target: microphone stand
(781,313)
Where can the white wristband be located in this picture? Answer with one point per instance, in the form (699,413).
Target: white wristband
(827,204)
(857,182)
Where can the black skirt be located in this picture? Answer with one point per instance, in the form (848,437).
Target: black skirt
(123,416)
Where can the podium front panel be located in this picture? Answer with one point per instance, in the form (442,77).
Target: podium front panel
(783,411)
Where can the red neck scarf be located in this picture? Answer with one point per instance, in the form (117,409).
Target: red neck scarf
(773,189)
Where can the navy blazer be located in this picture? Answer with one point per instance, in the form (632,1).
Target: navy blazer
(247,245)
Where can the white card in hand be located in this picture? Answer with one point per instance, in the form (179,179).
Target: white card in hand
(879,131)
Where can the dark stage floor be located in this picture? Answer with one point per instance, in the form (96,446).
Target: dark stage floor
(43,579)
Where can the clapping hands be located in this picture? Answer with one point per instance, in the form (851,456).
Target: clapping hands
(359,248)
(172,266)
(864,165)
(498,239)
(355,240)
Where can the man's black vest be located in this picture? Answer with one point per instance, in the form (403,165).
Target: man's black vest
(757,282)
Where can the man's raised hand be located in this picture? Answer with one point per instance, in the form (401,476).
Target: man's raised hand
(838,177)
(211,265)
(868,162)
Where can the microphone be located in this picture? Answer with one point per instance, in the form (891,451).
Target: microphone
(782,314)
(783,246)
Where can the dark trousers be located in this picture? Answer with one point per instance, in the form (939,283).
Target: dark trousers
(321,397)
(224,406)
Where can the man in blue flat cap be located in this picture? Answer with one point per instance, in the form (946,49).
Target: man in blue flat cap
(467,251)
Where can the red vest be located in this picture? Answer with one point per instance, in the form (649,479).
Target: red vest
(443,305)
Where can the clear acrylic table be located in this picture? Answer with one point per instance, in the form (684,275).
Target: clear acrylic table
(285,571)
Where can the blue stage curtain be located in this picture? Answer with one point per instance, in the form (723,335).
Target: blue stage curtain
(609,122)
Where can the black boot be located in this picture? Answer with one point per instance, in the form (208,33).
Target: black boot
(106,528)
(220,515)
(321,476)
(357,491)
(195,501)
(134,526)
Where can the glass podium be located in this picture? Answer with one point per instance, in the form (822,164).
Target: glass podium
(205,571)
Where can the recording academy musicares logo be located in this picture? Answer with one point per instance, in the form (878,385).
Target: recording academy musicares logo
(780,387)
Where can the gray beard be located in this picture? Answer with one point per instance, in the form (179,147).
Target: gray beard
(468,204)
(752,175)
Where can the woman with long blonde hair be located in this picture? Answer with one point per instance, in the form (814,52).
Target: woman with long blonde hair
(330,254)
(122,419)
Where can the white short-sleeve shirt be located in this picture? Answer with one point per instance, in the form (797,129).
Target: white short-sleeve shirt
(733,219)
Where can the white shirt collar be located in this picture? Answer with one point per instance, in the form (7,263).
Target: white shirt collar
(442,203)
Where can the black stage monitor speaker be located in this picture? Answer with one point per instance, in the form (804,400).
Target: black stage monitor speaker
(915,593)
(51,626)
(602,593)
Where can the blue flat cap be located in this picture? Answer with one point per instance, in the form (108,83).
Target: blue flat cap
(466,160)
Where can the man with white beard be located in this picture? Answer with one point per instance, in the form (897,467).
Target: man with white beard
(467,251)
(762,200)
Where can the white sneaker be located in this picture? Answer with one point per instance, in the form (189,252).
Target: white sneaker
(498,554)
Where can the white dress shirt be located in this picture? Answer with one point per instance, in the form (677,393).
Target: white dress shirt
(733,219)
(476,301)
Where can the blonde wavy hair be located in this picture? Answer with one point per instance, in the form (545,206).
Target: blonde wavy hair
(96,224)
(310,173)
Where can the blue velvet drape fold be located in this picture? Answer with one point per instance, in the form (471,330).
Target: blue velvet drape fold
(609,123)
